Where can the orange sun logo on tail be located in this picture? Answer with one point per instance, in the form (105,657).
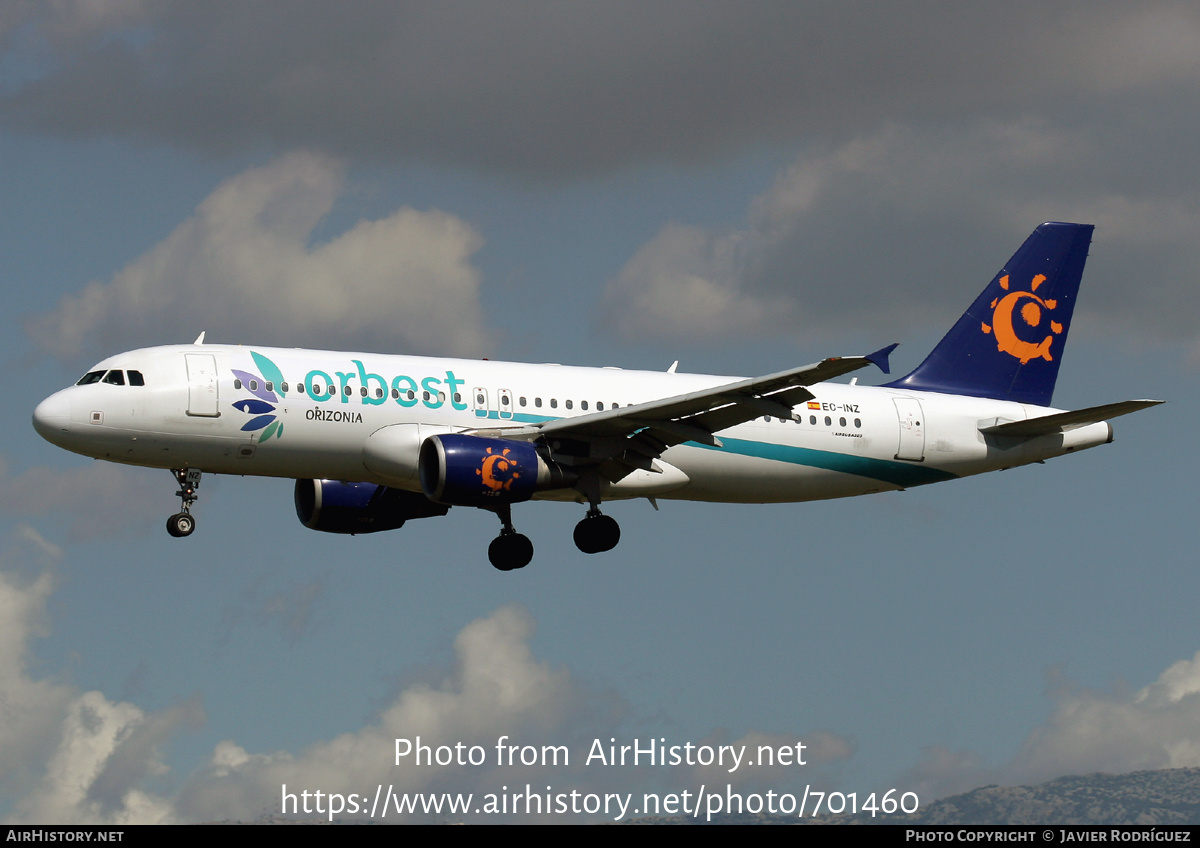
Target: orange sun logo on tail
(1003,309)
(498,471)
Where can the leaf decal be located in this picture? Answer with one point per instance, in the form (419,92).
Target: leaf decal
(261,392)
(258,423)
(269,370)
(270,429)
(253,407)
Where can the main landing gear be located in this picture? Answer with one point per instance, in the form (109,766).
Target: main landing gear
(597,533)
(510,549)
(182,523)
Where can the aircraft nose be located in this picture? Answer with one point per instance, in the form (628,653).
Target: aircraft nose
(52,416)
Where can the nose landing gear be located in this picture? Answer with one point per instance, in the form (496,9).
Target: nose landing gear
(182,523)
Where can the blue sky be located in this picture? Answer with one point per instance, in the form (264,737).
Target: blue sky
(742,187)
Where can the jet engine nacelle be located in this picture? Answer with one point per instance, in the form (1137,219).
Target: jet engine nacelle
(475,471)
(333,506)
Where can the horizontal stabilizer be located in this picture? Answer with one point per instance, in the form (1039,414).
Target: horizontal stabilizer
(1061,422)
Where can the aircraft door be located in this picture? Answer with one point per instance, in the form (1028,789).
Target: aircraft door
(912,430)
(506,403)
(202,385)
(480,398)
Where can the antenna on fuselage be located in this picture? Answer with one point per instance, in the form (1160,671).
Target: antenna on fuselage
(199,339)
(674,365)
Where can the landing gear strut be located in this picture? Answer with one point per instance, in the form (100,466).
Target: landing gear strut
(182,523)
(510,549)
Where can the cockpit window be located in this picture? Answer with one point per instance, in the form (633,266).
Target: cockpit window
(136,378)
(117,378)
(90,377)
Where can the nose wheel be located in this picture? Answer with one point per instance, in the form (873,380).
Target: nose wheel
(182,523)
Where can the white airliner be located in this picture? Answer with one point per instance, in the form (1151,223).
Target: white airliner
(417,435)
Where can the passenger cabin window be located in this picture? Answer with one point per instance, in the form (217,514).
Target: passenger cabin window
(554,403)
(537,402)
(569,405)
(136,378)
(116,378)
(90,377)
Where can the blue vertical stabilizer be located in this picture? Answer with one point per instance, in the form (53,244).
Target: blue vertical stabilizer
(1009,344)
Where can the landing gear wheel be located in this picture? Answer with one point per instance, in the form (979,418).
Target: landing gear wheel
(509,551)
(597,533)
(181,524)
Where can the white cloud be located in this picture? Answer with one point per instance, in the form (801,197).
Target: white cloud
(244,268)
(1089,731)
(1156,727)
(902,227)
(72,757)
(69,757)
(496,688)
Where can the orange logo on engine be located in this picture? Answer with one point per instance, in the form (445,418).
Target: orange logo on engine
(498,471)
(1007,340)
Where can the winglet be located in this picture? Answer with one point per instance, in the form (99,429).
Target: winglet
(880,357)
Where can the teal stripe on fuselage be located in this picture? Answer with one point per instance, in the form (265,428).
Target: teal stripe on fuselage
(897,473)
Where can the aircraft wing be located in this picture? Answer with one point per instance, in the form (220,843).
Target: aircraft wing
(635,435)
